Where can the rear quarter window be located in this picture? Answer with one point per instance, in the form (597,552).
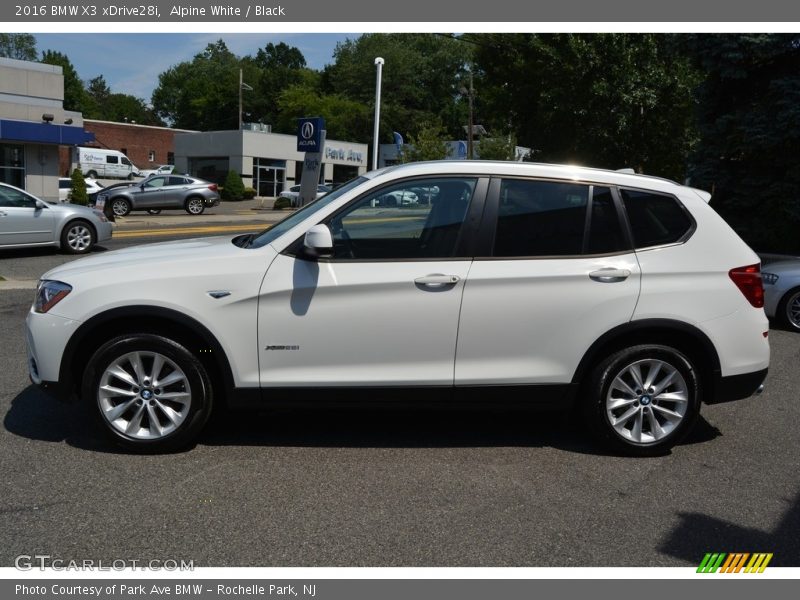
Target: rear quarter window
(656,219)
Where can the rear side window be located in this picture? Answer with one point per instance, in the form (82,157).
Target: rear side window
(177,181)
(112,160)
(655,219)
(540,218)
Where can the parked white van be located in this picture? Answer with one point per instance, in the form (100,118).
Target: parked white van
(99,162)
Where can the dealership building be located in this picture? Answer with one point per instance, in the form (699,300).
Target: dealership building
(34,125)
(268,162)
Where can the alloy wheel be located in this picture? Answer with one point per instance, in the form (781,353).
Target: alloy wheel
(79,238)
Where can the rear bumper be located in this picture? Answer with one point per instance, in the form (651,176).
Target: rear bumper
(737,387)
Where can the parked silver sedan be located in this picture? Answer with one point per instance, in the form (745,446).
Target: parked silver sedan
(26,220)
(162,191)
(782,292)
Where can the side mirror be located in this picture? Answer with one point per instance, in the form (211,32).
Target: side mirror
(318,242)
(40,204)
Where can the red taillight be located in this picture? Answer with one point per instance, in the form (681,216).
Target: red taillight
(213,187)
(748,280)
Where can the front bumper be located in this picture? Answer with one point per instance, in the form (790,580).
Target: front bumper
(47,336)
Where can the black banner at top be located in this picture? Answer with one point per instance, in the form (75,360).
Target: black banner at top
(359,11)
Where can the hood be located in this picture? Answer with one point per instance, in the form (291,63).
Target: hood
(783,267)
(181,254)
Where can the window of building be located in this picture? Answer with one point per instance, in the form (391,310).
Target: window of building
(210,168)
(151,156)
(656,219)
(12,164)
(170,158)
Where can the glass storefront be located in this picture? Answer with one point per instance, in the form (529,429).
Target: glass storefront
(268,176)
(210,168)
(12,164)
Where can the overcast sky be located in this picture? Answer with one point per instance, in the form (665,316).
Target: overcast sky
(131,62)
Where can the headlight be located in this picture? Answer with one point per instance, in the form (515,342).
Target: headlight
(769,278)
(48,294)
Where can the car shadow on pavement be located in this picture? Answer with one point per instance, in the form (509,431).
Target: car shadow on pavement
(697,534)
(11,253)
(36,416)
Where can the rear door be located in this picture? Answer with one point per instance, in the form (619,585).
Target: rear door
(556,271)
(175,191)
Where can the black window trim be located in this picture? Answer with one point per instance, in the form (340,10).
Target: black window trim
(467,239)
(489,224)
(682,240)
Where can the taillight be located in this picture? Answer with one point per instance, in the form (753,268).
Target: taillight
(748,280)
(213,187)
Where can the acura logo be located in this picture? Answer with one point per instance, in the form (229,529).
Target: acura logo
(307,130)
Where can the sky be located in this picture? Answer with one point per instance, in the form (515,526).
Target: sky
(131,62)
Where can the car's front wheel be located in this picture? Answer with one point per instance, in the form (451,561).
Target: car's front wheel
(643,400)
(789,309)
(77,237)
(154,211)
(120,207)
(150,393)
(195,206)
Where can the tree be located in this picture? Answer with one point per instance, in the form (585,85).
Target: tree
(78,193)
(75,96)
(21,46)
(201,94)
(749,125)
(103,104)
(345,118)
(606,100)
(497,148)
(421,78)
(233,188)
(428,144)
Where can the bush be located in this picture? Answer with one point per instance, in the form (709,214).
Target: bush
(78,193)
(233,189)
(281,202)
(249,193)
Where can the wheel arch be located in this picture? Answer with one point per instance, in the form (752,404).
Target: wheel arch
(684,337)
(145,319)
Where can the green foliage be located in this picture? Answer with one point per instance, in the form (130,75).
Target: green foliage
(21,46)
(105,105)
(749,126)
(345,119)
(428,144)
(281,202)
(233,188)
(496,148)
(604,100)
(75,96)
(78,193)
(249,193)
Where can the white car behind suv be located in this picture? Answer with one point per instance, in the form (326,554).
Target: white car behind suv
(625,297)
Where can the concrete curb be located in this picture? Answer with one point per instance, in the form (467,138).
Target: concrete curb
(19,284)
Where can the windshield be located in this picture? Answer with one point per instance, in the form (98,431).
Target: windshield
(270,235)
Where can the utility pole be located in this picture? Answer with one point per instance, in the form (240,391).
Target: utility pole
(471,118)
(242,86)
(379,64)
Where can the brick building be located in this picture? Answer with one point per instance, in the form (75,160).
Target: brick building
(145,145)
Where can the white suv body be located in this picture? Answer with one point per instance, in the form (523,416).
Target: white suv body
(558,285)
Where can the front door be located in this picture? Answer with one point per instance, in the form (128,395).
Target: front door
(21,220)
(150,193)
(383,310)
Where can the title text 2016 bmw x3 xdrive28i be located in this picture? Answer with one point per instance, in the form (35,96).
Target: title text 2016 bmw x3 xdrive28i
(624,296)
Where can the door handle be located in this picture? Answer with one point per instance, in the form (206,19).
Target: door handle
(437,280)
(609,275)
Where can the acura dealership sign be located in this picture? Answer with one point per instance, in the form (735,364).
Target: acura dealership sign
(308,134)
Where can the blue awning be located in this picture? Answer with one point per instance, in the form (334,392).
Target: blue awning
(43,133)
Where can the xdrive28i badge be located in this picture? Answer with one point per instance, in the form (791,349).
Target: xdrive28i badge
(281,347)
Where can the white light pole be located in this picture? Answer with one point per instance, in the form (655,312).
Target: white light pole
(242,86)
(379,63)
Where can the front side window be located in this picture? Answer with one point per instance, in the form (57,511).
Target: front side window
(655,219)
(540,218)
(11,198)
(409,220)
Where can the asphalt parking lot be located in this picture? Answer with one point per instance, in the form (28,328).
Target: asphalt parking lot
(393,488)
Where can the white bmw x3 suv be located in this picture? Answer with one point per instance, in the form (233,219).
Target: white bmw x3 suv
(625,297)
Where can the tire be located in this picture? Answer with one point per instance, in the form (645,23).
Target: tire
(154,211)
(120,207)
(78,237)
(92,174)
(620,413)
(136,410)
(194,205)
(130,176)
(788,312)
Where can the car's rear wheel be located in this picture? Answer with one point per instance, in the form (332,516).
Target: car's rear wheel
(789,309)
(194,205)
(643,400)
(78,237)
(92,174)
(149,392)
(154,211)
(120,207)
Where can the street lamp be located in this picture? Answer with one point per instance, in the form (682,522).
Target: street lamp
(242,86)
(379,64)
(470,94)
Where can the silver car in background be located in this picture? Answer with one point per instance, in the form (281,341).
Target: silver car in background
(782,292)
(158,192)
(27,221)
